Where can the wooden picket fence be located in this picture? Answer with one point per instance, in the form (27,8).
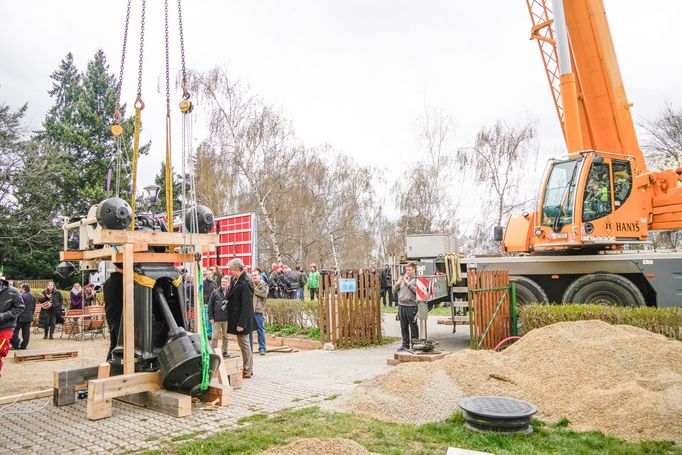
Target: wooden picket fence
(350,319)
(492,308)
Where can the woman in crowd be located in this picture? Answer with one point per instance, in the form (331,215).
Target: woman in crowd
(51,309)
(89,295)
(76,297)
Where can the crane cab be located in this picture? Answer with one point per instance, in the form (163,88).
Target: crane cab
(589,200)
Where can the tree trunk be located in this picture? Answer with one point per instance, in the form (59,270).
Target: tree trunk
(335,252)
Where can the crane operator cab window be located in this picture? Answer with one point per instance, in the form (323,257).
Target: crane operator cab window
(622,182)
(597,199)
(557,202)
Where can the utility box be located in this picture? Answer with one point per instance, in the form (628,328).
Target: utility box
(421,246)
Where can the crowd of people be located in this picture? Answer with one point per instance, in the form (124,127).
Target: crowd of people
(234,303)
(17,310)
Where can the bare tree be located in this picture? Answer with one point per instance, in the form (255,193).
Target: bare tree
(250,137)
(422,192)
(663,139)
(496,160)
(663,149)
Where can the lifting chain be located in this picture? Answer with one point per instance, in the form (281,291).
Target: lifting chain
(138,101)
(117,129)
(165,10)
(185,93)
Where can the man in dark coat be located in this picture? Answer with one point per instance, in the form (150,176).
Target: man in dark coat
(11,306)
(241,320)
(217,314)
(24,320)
(51,302)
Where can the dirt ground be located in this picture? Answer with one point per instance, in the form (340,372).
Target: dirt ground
(37,375)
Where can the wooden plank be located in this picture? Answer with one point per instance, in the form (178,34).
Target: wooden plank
(103,370)
(170,403)
(220,392)
(128,319)
(70,255)
(66,382)
(334,300)
(158,257)
(377,312)
(118,237)
(101,392)
(9,399)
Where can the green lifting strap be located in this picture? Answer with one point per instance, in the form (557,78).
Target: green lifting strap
(203,336)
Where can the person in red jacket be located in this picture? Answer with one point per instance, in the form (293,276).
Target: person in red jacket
(11,306)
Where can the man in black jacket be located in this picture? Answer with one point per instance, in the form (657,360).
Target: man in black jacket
(386,282)
(24,319)
(241,320)
(11,306)
(217,314)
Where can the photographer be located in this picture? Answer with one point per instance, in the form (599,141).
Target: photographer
(406,288)
(218,316)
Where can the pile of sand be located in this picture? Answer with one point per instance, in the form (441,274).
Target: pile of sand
(320,446)
(621,380)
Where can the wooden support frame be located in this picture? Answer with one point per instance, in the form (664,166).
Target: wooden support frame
(130,247)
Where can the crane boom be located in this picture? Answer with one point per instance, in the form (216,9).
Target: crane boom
(602,120)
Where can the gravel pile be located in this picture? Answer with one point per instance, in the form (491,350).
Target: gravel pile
(319,446)
(621,380)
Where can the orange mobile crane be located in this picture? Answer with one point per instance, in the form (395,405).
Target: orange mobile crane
(601,197)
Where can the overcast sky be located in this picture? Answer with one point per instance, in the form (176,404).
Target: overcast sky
(353,73)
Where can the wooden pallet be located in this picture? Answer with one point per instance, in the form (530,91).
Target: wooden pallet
(401,357)
(45,354)
(281,349)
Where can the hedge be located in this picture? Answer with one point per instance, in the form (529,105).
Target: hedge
(666,321)
(295,312)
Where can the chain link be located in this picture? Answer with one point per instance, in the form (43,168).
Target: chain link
(139,70)
(119,87)
(165,9)
(185,93)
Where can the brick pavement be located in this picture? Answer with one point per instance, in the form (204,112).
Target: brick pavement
(280,381)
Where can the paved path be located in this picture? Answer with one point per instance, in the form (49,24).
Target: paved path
(280,381)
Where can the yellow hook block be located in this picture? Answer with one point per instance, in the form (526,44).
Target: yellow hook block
(186,106)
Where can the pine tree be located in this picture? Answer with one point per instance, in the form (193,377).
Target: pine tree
(79,125)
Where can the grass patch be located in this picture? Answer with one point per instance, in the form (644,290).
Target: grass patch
(666,321)
(291,330)
(152,438)
(439,311)
(252,418)
(296,400)
(185,437)
(357,381)
(390,438)
(332,397)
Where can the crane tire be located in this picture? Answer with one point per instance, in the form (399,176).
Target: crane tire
(528,291)
(604,289)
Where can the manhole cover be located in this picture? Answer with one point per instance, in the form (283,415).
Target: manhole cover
(500,414)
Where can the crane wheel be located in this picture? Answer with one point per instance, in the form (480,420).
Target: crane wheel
(528,291)
(604,289)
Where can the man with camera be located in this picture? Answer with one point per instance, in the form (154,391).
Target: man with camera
(406,288)
(217,314)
